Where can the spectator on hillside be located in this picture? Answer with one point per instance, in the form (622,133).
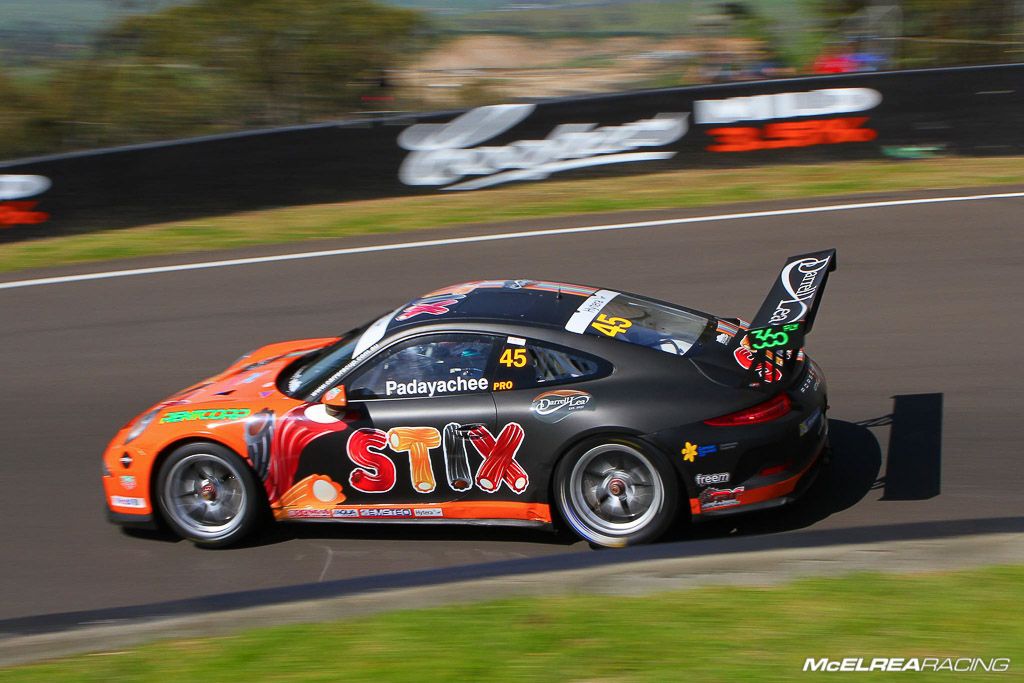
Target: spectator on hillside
(834,60)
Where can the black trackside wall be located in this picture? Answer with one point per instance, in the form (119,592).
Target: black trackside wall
(970,110)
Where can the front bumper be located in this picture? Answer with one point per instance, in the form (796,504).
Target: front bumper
(131,521)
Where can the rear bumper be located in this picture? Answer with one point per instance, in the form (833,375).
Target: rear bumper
(746,499)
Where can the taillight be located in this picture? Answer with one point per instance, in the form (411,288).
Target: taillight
(771,409)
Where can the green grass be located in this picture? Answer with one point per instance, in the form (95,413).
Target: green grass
(690,188)
(707,634)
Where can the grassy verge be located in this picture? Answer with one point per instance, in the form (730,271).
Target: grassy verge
(708,634)
(551,198)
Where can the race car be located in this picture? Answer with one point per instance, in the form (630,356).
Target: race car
(511,402)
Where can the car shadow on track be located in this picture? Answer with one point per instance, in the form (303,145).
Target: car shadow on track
(278,533)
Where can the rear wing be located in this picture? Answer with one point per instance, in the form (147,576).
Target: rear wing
(776,336)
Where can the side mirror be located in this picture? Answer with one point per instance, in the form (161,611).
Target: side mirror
(335,398)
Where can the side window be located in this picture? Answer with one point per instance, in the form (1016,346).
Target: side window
(534,364)
(422,367)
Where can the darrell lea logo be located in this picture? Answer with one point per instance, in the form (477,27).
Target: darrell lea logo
(555,406)
(444,153)
(800,280)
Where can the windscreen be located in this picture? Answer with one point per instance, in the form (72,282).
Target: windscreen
(642,322)
(320,366)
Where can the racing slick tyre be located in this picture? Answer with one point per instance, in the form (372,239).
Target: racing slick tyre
(208,495)
(615,492)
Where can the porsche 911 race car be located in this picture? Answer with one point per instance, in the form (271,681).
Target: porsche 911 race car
(495,402)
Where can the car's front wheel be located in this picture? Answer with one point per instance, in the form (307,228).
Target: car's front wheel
(208,495)
(615,492)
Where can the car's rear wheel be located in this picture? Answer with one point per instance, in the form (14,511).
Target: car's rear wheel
(615,492)
(208,495)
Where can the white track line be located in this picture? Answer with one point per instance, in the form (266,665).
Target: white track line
(501,236)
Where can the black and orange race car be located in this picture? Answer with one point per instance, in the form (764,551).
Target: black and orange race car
(494,402)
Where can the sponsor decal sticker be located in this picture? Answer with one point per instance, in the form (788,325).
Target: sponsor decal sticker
(771,337)
(691,451)
(207,414)
(589,310)
(712,498)
(429,388)
(438,305)
(127,502)
(801,280)
(392,513)
(310,513)
(513,358)
(428,512)
(708,479)
(127,481)
(765,370)
(611,326)
(344,513)
(373,334)
(373,452)
(811,382)
(555,406)
(808,424)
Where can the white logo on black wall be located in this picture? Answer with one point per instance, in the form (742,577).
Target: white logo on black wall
(445,153)
(22,186)
(451,155)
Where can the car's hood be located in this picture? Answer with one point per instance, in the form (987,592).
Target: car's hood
(252,376)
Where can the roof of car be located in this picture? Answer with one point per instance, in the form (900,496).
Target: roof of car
(530,302)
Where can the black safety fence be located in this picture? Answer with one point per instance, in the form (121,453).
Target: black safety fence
(907,114)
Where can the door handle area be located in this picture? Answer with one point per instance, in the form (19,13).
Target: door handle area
(466,431)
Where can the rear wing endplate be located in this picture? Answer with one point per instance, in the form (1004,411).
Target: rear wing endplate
(776,335)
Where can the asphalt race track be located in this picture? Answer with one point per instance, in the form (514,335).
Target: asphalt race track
(918,335)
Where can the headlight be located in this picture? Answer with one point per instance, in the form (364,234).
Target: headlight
(140,425)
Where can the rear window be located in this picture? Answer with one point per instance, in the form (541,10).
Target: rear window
(642,322)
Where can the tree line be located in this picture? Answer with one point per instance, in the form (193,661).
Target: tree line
(210,67)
